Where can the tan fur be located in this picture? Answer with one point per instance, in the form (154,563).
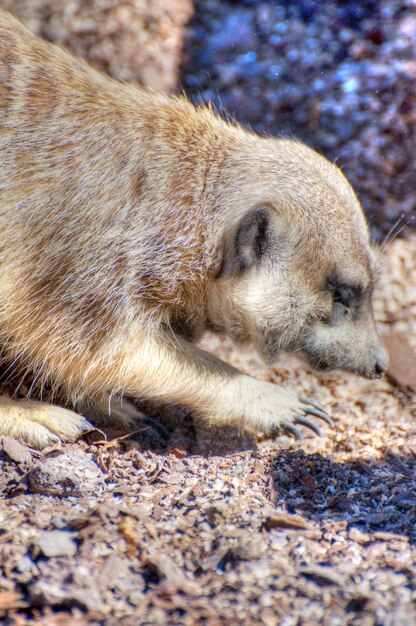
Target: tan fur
(118,216)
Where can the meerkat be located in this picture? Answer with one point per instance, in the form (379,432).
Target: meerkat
(133,222)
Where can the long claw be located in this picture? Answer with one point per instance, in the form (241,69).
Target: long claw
(301,419)
(320,414)
(313,403)
(316,410)
(292,430)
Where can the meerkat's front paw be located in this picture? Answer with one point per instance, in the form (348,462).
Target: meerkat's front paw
(308,408)
(272,409)
(39,424)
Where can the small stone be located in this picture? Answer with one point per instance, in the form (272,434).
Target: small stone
(70,474)
(44,593)
(56,543)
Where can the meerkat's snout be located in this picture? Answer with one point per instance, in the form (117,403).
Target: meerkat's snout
(352,345)
(382,361)
(343,334)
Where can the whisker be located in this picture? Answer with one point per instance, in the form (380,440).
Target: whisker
(386,238)
(393,233)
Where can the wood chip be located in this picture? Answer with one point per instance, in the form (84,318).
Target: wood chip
(15,450)
(323,575)
(285,521)
(11,600)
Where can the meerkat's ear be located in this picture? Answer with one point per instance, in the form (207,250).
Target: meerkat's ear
(247,242)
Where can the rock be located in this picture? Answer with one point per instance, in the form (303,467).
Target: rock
(71,474)
(44,593)
(53,543)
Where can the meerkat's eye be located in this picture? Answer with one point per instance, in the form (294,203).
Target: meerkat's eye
(341,301)
(346,299)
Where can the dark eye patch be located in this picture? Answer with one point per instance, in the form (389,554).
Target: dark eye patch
(342,292)
(347,298)
(344,295)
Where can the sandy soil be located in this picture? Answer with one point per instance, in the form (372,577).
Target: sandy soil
(221,528)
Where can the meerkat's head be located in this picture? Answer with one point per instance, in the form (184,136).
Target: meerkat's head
(297,270)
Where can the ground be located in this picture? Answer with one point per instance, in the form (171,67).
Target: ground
(222,528)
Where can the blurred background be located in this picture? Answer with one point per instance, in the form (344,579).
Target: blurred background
(340,75)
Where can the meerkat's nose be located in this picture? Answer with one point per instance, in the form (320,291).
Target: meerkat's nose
(382,362)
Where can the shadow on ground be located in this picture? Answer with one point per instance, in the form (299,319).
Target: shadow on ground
(371,496)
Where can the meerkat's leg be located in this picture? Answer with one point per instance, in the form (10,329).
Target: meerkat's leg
(171,369)
(103,407)
(39,424)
